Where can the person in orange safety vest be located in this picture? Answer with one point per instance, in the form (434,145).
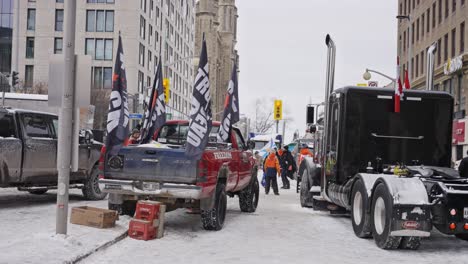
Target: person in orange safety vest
(271,168)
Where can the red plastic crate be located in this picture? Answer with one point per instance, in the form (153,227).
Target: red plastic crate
(142,230)
(147,210)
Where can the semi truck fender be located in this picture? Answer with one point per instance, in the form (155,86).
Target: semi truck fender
(208,203)
(404,190)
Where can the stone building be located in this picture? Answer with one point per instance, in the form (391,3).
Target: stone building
(444,22)
(217,21)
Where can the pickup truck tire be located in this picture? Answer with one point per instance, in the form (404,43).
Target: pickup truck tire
(248,198)
(381,218)
(214,219)
(359,214)
(126,208)
(91,189)
(38,191)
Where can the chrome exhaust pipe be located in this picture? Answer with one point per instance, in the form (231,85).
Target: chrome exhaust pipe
(328,91)
(430,66)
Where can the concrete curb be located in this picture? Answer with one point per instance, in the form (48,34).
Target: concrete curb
(79,258)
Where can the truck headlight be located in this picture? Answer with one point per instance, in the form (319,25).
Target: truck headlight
(115,162)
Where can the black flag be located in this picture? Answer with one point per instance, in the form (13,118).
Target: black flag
(200,113)
(231,108)
(155,115)
(117,118)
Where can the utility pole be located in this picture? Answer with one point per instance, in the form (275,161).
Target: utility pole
(277,123)
(65,119)
(284,129)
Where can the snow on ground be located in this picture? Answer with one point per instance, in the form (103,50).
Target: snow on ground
(279,232)
(27,229)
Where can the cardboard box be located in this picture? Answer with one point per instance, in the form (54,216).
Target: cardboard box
(94,217)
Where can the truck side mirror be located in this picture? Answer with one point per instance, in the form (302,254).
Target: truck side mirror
(310,114)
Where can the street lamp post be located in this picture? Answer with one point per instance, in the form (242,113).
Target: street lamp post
(367,76)
(410,39)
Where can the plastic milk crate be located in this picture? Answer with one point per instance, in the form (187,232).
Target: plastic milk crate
(147,210)
(142,229)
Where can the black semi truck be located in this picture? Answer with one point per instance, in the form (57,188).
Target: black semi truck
(390,170)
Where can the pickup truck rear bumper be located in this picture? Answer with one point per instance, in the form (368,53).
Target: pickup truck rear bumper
(169,190)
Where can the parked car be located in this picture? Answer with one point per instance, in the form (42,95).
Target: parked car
(167,175)
(28,154)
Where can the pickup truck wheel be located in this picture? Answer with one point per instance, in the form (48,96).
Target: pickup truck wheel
(214,219)
(126,208)
(359,215)
(91,189)
(38,191)
(248,198)
(381,218)
(304,195)
(412,243)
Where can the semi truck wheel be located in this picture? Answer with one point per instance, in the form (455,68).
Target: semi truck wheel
(359,215)
(214,219)
(126,208)
(412,243)
(304,195)
(381,218)
(91,189)
(248,198)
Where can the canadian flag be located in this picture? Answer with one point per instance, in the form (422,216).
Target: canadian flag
(398,88)
(407,83)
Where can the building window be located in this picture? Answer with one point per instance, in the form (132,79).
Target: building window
(412,68)
(446,8)
(433,15)
(100,1)
(31,24)
(446,47)
(440,11)
(454,36)
(28,76)
(454,5)
(404,41)
(141,78)
(143,5)
(428,22)
(150,34)
(141,58)
(102,77)
(58,46)
(142,27)
(422,62)
(422,26)
(99,49)
(417,29)
(462,2)
(59,1)
(99,21)
(439,51)
(417,66)
(412,33)
(462,38)
(59,20)
(29,47)
(150,57)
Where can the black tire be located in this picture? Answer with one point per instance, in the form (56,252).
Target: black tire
(462,236)
(91,189)
(381,218)
(38,191)
(411,243)
(126,208)
(305,196)
(214,219)
(248,198)
(360,217)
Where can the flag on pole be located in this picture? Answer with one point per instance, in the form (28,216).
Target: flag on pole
(118,115)
(231,108)
(155,115)
(407,82)
(398,88)
(200,113)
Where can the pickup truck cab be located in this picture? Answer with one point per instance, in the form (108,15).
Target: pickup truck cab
(28,154)
(167,175)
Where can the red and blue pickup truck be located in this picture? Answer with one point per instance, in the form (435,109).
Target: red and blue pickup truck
(168,176)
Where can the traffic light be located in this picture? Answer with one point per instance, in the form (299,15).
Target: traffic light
(14,78)
(278,110)
(167,88)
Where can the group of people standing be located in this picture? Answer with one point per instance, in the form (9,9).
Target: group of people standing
(281,163)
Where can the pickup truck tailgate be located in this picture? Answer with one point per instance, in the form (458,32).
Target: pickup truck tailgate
(151,164)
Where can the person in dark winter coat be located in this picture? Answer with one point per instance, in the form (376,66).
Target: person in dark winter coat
(271,168)
(463,167)
(288,167)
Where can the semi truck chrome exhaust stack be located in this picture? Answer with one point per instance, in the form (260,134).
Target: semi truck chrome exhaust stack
(430,66)
(328,91)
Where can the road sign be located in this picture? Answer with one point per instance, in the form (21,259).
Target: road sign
(373,84)
(135,116)
(278,110)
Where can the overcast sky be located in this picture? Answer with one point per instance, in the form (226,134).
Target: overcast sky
(283,53)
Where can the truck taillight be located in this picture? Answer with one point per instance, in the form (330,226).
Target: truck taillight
(452,226)
(465,226)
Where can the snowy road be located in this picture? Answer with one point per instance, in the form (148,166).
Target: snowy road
(279,232)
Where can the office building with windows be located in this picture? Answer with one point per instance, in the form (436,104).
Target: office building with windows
(150,29)
(6,30)
(443,22)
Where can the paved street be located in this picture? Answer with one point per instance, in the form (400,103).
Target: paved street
(279,232)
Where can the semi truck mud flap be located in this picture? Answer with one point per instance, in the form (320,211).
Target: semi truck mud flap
(411,220)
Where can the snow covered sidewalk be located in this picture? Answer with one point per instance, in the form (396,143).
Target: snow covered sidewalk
(27,229)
